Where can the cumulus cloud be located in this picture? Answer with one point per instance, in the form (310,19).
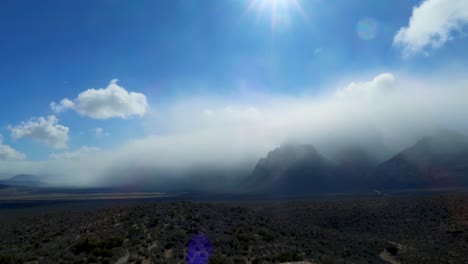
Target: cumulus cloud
(42,129)
(432,24)
(8,153)
(112,101)
(387,112)
(376,86)
(77,154)
(62,106)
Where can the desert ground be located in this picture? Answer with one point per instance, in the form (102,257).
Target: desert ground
(431,228)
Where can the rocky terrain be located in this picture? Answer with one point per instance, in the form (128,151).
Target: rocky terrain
(430,229)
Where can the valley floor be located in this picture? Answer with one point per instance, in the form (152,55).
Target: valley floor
(430,229)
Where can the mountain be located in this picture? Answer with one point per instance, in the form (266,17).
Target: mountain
(437,161)
(23,180)
(291,169)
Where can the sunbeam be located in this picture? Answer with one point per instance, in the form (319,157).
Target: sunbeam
(279,10)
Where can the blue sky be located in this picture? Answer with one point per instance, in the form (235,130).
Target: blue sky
(172,50)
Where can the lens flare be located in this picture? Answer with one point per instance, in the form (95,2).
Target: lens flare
(366,29)
(199,250)
(279,9)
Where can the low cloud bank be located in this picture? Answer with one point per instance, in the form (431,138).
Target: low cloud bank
(384,114)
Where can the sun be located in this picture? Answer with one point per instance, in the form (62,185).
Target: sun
(279,9)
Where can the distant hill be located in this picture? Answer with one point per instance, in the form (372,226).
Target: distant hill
(440,160)
(24,180)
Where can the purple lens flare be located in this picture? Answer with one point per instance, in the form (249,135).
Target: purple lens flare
(199,250)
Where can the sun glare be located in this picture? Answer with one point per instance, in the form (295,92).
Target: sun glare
(279,10)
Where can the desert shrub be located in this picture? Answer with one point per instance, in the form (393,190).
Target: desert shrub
(238,260)
(392,250)
(243,237)
(83,246)
(329,259)
(218,259)
(97,248)
(235,243)
(102,252)
(288,257)
(153,223)
(113,242)
(36,245)
(9,259)
(169,246)
(181,255)
(133,232)
(266,234)
(256,261)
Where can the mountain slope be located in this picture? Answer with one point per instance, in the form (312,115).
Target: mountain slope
(437,161)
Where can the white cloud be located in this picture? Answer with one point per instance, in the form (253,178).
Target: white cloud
(77,154)
(62,106)
(46,130)
(379,84)
(112,101)
(432,24)
(9,153)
